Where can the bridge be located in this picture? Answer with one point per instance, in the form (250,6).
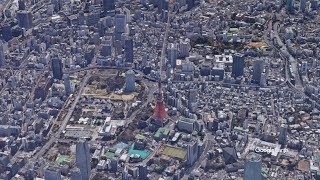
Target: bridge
(96,67)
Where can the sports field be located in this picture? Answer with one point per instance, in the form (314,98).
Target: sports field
(174,152)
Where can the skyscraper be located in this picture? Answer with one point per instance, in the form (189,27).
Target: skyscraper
(24,19)
(164,5)
(283,134)
(52,173)
(56,66)
(193,93)
(2,59)
(83,159)
(183,48)
(106,50)
(172,55)
(128,50)
(75,174)
(130,81)
(22,5)
(290,5)
(257,70)
(143,172)
(238,65)
(192,153)
(190,4)
(57,5)
(6,31)
(303,5)
(125,173)
(67,84)
(108,5)
(120,23)
(113,165)
(253,166)
(314,5)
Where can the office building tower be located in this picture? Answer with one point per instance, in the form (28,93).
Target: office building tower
(89,54)
(172,55)
(125,174)
(304,67)
(145,59)
(113,165)
(169,72)
(253,166)
(217,72)
(263,80)
(186,125)
(229,155)
(234,38)
(22,5)
(164,5)
(118,47)
(314,5)
(290,5)
(238,65)
(192,153)
(283,134)
(177,175)
(164,15)
(75,174)
(2,57)
(24,19)
(190,4)
(193,93)
(108,5)
(106,50)
(258,66)
(56,66)
(43,87)
(303,5)
(128,50)
(57,5)
(120,23)
(81,18)
(67,84)
(184,48)
(93,17)
(130,81)
(225,37)
(83,159)
(52,173)
(127,14)
(6,32)
(143,172)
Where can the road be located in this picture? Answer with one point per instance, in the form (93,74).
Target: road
(149,99)
(96,67)
(164,45)
(208,142)
(64,123)
(150,89)
(291,60)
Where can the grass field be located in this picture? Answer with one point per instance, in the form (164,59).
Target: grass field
(174,152)
(63,158)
